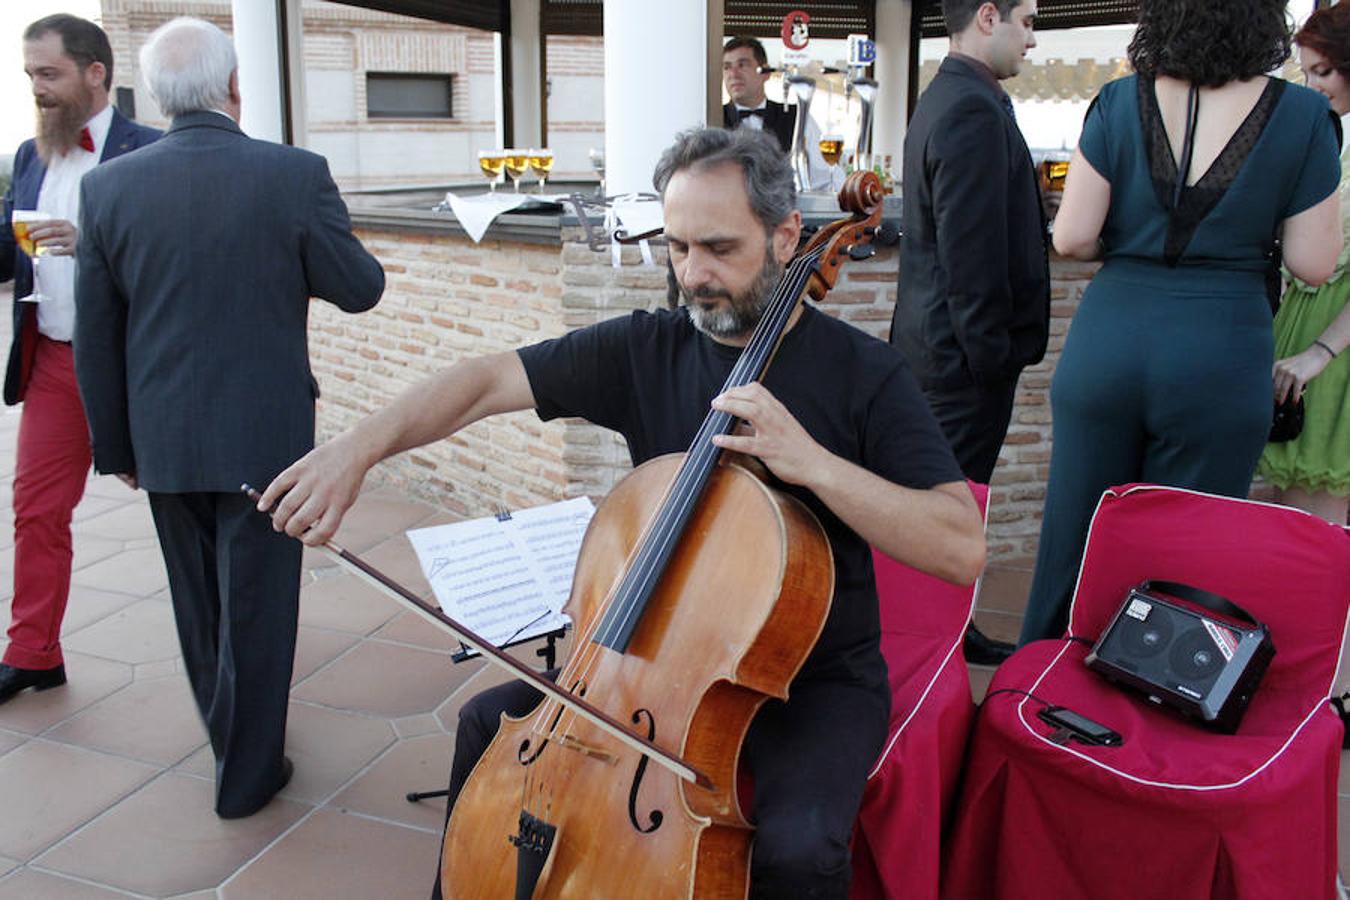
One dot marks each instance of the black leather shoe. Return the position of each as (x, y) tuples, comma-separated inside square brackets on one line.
[(982, 650), (14, 679), (287, 770)]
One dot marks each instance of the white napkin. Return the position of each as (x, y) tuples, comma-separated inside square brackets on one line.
[(638, 216), (476, 211)]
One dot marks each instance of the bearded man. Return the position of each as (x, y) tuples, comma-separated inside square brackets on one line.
[(838, 420), (69, 62)]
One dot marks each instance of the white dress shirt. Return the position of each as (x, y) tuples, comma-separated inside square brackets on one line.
[(60, 196), (818, 171)]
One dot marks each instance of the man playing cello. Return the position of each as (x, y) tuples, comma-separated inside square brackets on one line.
[(838, 421)]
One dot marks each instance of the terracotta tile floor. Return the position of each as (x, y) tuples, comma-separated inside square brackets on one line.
[(105, 784)]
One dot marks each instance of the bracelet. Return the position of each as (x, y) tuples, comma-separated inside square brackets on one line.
[(1323, 345)]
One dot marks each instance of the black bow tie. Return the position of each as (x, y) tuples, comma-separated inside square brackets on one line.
[(743, 114)]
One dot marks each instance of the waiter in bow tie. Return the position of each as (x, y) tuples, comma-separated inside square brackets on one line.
[(743, 75)]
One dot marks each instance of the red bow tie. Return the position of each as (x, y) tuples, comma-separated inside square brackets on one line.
[(86, 140)]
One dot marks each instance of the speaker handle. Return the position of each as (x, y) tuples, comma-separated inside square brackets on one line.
[(1210, 601)]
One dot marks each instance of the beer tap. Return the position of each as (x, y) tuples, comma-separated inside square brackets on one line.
[(803, 88), (866, 89)]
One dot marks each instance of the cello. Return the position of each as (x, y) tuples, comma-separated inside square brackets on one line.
[(560, 806)]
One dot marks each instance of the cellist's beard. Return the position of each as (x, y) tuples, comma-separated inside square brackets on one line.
[(739, 316)]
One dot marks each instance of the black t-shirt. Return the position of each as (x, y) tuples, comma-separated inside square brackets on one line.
[(652, 376)]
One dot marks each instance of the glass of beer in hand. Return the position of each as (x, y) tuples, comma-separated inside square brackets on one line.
[(491, 162), (517, 164), (542, 162), (22, 220)]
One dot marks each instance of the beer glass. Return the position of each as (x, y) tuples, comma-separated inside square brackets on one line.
[(542, 162), (1054, 170), (831, 149), (517, 164), (22, 220), (491, 162)]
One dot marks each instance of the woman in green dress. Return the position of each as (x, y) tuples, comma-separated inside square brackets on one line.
[(1312, 328)]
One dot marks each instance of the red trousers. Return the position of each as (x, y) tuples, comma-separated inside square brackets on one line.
[(50, 473)]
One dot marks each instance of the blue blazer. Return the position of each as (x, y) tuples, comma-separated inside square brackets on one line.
[(124, 136)]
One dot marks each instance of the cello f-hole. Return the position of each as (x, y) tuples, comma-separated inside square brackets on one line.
[(656, 817)]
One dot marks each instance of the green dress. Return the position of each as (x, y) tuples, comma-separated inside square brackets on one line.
[(1318, 460)]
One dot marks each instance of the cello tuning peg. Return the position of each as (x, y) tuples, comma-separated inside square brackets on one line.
[(859, 252)]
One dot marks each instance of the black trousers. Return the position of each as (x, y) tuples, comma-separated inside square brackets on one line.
[(975, 420), (809, 756), (236, 599)]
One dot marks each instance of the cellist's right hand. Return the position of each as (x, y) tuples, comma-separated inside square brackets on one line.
[(313, 494)]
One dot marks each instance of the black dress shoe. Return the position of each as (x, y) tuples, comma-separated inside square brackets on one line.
[(982, 650), (287, 770), (14, 679)]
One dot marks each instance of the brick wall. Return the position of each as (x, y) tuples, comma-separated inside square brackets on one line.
[(448, 298)]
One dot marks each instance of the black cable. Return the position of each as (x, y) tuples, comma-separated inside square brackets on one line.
[(1081, 640)]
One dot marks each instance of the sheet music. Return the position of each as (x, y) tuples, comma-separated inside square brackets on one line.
[(506, 579)]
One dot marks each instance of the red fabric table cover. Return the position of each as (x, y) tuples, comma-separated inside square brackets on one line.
[(1176, 811)]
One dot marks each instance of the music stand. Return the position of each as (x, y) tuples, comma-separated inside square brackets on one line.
[(548, 653)]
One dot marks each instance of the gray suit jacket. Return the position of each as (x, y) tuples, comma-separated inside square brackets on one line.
[(196, 263)]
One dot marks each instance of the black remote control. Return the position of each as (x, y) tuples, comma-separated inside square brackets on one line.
[(1080, 727)]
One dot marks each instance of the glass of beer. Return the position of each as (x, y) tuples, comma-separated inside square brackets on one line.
[(1054, 170), (491, 162), (831, 149), (541, 161), (517, 164), (22, 220)]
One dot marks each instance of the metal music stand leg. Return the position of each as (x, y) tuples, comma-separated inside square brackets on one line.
[(548, 653)]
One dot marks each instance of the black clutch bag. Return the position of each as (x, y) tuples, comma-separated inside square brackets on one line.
[(1287, 422)]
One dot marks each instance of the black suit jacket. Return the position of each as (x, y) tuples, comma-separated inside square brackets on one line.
[(124, 136), (974, 299), (778, 121), (197, 262)]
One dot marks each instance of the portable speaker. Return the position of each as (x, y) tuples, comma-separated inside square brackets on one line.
[(1203, 666)]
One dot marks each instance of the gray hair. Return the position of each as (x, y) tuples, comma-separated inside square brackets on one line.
[(768, 175), (187, 65)]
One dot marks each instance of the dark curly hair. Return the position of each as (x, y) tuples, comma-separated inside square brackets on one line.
[(1210, 42), (1328, 32)]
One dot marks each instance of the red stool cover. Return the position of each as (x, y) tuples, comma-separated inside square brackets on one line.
[(1176, 811), (905, 807)]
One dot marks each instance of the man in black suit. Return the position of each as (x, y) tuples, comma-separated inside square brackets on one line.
[(196, 269), (973, 305), (743, 62), (70, 64)]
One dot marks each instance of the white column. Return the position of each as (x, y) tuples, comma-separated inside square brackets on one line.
[(655, 84), (892, 75), (257, 36), (527, 100)]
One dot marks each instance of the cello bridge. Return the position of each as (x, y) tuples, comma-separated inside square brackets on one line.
[(571, 743)]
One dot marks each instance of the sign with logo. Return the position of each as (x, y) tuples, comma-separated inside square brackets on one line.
[(796, 29), (861, 51)]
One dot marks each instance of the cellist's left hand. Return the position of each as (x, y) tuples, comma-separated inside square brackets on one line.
[(773, 434)]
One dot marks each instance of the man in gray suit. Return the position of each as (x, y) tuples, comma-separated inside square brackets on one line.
[(196, 267)]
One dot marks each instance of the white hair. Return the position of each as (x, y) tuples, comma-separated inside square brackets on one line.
[(187, 65)]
